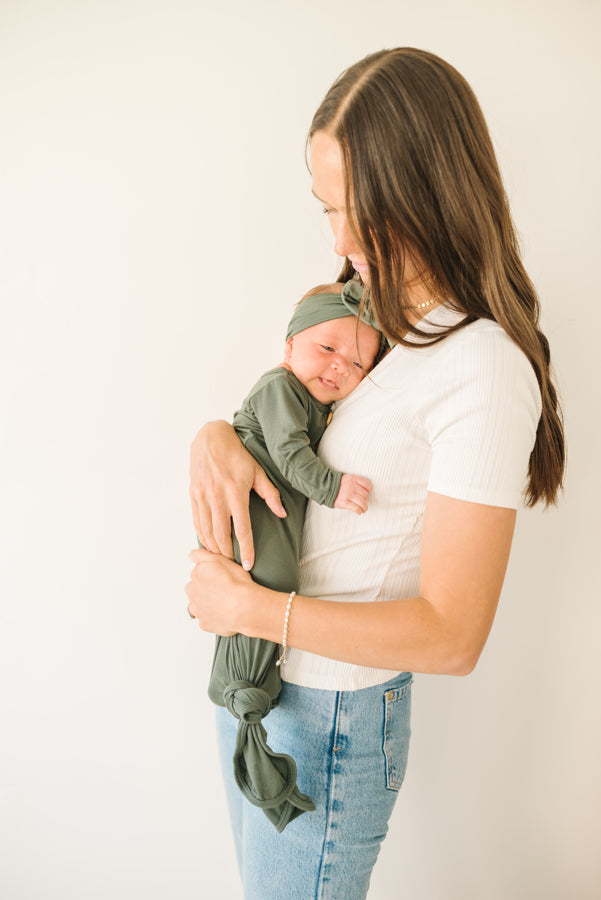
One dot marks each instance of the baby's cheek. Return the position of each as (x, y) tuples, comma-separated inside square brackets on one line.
[(356, 380)]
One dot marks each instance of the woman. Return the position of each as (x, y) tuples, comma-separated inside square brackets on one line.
[(453, 425)]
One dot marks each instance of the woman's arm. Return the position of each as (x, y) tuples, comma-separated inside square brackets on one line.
[(222, 475), (465, 549)]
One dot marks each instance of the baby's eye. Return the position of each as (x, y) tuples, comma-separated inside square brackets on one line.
[(359, 366), (329, 349)]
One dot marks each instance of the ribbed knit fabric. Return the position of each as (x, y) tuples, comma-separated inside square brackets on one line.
[(458, 418)]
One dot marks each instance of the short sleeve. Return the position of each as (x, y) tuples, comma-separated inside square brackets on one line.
[(483, 426)]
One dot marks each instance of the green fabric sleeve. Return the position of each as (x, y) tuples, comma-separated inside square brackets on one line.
[(283, 412)]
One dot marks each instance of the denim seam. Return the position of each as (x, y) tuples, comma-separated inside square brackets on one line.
[(390, 699), (324, 863)]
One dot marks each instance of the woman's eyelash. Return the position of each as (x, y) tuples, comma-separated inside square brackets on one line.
[(326, 210)]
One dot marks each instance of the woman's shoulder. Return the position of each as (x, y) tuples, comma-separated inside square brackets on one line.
[(481, 365), (484, 345), (479, 355), (483, 339), (481, 415)]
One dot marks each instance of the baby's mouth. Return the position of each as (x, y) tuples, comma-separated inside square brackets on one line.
[(330, 385)]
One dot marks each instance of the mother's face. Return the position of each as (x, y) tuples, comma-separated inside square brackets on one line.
[(329, 187)]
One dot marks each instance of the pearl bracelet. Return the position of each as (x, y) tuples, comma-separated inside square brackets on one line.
[(282, 658)]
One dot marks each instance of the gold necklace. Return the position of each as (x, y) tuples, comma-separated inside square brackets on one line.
[(423, 305)]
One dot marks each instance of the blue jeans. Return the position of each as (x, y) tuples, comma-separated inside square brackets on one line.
[(351, 750)]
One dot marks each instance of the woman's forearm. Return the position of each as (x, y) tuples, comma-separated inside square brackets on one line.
[(464, 553), (401, 635)]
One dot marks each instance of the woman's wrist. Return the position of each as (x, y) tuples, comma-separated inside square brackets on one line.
[(262, 612)]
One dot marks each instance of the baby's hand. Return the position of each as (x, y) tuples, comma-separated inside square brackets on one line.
[(353, 494)]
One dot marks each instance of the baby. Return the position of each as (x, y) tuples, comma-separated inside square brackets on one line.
[(328, 353)]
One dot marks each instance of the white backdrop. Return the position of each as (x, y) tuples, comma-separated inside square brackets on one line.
[(156, 227)]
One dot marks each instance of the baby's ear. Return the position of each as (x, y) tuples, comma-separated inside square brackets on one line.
[(288, 349)]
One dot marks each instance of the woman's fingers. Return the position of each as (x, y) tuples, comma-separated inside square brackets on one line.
[(241, 516), (205, 528), (222, 527), (200, 556), (214, 526), (222, 474), (270, 494), (212, 592), (199, 519), (214, 517), (195, 514), (244, 535)]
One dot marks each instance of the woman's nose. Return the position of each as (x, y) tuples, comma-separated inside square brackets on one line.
[(344, 242)]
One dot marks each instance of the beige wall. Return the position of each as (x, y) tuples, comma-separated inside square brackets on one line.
[(156, 226)]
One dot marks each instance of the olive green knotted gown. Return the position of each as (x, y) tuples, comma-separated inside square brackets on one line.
[(280, 424)]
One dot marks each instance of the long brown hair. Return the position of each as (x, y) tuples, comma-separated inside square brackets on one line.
[(423, 183)]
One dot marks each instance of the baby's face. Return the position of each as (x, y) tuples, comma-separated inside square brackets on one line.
[(330, 359)]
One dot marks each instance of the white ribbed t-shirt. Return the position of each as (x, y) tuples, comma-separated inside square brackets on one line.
[(458, 418)]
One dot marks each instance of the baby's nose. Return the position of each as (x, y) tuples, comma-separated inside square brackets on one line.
[(341, 365)]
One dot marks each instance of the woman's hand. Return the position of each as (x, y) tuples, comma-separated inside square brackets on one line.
[(214, 592), (222, 474)]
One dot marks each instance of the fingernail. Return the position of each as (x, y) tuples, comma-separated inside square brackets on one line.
[(246, 565)]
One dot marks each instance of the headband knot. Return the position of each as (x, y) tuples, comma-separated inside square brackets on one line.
[(328, 305), (314, 310)]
